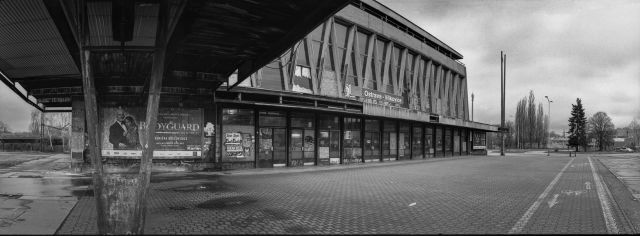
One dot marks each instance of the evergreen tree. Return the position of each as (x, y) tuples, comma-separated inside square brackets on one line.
[(577, 126)]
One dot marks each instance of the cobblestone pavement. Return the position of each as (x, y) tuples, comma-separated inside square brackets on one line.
[(479, 195)]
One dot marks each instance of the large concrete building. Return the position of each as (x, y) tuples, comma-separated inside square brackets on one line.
[(366, 85)]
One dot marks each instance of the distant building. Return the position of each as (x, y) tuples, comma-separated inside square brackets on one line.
[(559, 142), (27, 142), (619, 142)]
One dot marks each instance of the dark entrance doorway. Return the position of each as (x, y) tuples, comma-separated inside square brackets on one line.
[(272, 138)]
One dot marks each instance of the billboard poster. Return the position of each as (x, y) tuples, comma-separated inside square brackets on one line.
[(178, 132)]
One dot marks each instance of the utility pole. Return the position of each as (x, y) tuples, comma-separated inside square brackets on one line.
[(548, 125), (503, 63)]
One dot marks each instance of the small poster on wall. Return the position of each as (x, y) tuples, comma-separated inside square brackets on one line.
[(209, 130), (233, 145), (238, 145), (323, 152)]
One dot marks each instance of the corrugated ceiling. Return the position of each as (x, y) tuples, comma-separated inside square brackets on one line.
[(144, 28), (34, 47)]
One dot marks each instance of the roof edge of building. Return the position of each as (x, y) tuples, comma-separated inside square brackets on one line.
[(394, 15)]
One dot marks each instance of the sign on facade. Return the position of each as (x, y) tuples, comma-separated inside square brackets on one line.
[(380, 98)]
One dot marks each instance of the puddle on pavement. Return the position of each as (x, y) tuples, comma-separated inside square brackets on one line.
[(11, 196), (229, 202), (29, 176), (82, 193)]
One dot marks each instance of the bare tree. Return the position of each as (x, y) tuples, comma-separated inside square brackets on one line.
[(531, 118), (4, 128), (539, 125), (521, 123), (509, 140), (34, 126), (602, 129), (56, 125)]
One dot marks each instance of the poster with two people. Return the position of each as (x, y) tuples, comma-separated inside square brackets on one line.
[(178, 132)]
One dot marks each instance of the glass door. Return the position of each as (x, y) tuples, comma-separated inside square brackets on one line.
[(328, 140), (272, 147), (279, 147), (296, 151), (265, 151), (302, 140), (372, 141), (271, 139), (389, 141)]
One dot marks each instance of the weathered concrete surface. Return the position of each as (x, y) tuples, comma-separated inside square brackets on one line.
[(626, 167), (36, 195), (33, 214)]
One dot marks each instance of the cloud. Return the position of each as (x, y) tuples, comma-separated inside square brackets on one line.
[(15, 112), (562, 49)]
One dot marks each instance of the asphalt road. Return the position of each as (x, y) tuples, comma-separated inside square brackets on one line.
[(476, 195)]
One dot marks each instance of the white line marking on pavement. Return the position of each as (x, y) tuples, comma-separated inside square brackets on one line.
[(612, 228), (587, 185), (527, 215), (572, 192), (553, 201)]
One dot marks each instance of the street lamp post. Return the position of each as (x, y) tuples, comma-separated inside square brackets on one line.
[(548, 125), (471, 106)]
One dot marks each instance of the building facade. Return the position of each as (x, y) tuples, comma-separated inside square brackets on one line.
[(365, 86)]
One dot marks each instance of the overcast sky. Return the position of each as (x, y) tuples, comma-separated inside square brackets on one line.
[(561, 49)]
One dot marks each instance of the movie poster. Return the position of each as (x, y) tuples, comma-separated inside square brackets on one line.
[(178, 132)]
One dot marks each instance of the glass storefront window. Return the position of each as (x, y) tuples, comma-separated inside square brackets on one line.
[(389, 140), (448, 145), (439, 145), (302, 140), (238, 141), (271, 139), (372, 140), (479, 140), (352, 141), (456, 142), (428, 141), (416, 142), (328, 140), (464, 141), (404, 141)]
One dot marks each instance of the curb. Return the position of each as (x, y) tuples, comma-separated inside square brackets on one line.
[(284, 170)]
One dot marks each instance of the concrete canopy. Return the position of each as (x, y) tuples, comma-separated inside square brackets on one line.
[(208, 40)]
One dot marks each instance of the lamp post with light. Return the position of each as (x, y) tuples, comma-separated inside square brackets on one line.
[(471, 106), (548, 125)]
